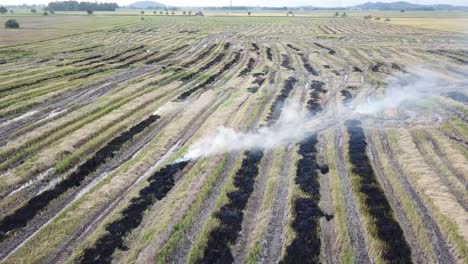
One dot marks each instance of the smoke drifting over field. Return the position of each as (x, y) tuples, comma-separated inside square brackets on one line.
[(289, 128), (409, 89), (294, 124)]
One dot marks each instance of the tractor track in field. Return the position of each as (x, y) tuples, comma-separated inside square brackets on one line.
[(274, 237), (329, 253), (443, 158), (76, 99), (355, 228), (442, 249), (459, 196)]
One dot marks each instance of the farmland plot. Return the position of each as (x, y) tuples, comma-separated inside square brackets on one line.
[(173, 140)]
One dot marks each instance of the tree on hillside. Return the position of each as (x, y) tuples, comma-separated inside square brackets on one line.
[(3, 10), (34, 11), (11, 23), (167, 12), (344, 14), (377, 18), (189, 13), (154, 12), (249, 13), (337, 14), (52, 11), (387, 20), (142, 12), (172, 13), (160, 12), (184, 13), (11, 11), (45, 13), (90, 12)]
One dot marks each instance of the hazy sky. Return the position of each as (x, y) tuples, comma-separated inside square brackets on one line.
[(323, 3)]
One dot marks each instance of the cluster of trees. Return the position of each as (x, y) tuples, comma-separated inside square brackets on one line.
[(377, 18), (337, 14), (11, 23), (81, 6)]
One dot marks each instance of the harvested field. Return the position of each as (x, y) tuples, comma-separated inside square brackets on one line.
[(230, 139)]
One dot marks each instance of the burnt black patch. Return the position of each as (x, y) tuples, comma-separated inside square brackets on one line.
[(211, 79), (165, 56), (81, 60), (277, 105), (398, 68), (269, 54), (330, 51), (255, 47), (253, 89), (376, 204), (347, 96), (458, 97), (286, 63), (231, 214), (205, 67), (314, 103), (249, 67), (83, 49), (115, 56), (201, 56), (356, 69), (23, 215), (448, 54), (139, 60), (292, 47), (305, 248), (377, 67), (309, 67), (160, 183)]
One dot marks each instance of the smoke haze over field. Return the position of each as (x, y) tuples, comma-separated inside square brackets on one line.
[(294, 124)]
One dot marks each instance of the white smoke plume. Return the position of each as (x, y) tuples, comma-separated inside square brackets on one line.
[(407, 89), (289, 128), (294, 124)]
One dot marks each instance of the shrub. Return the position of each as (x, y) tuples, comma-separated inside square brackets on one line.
[(142, 12), (11, 23), (377, 18), (90, 12), (11, 11), (387, 20), (142, 18), (34, 11), (45, 13), (3, 10)]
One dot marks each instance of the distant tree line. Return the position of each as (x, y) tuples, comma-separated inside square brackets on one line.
[(81, 6)]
